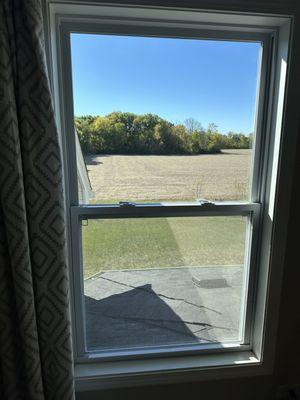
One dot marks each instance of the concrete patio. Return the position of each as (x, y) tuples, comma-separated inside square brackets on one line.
[(152, 307)]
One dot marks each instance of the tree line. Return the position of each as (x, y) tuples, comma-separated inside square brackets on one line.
[(129, 133)]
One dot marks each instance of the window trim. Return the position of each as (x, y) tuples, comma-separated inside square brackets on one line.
[(261, 356)]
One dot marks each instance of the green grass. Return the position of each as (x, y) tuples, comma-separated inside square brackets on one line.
[(162, 242)]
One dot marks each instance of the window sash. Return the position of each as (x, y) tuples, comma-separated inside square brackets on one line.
[(172, 30), (174, 209), (81, 213)]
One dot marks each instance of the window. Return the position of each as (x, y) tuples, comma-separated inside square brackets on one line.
[(169, 139), (170, 271)]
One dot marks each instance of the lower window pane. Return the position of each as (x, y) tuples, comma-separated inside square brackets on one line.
[(163, 281)]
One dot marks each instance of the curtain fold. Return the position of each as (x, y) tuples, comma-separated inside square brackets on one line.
[(35, 332)]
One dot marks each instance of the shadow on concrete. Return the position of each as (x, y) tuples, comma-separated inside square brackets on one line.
[(137, 317)]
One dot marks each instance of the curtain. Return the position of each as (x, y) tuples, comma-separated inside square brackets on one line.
[(35, 332)]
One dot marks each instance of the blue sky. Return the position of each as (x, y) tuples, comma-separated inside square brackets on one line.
[(211, 81)]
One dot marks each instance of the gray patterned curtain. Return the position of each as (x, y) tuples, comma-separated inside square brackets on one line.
[(35, 336)]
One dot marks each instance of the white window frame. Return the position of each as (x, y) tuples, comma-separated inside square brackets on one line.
[(93, 370)]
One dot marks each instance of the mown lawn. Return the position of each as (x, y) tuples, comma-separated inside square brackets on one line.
[(162, 243)]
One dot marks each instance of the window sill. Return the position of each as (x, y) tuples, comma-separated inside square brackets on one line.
[(113, 374)]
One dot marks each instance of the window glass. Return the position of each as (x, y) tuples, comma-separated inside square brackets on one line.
[(163, 281), (163, 119)]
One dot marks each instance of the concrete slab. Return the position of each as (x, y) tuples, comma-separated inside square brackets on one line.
[(154, 307)]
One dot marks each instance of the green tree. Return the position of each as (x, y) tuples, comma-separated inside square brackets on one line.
[(83, 129), (128, 133), (108, 136)]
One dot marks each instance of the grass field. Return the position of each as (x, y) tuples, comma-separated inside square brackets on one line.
[(166, 242), (162, 243), (142, 178)]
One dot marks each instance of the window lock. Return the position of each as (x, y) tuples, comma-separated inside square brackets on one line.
[(204, 202), (126, 204)]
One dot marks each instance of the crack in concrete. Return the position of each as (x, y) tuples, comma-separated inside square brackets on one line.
[(160, 294)]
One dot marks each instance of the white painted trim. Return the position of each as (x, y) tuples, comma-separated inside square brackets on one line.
[(166, 370), (211, 16)]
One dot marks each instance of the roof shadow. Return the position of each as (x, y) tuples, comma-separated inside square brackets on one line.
[(134, 318)]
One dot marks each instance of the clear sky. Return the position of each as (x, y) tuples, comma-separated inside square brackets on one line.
[(211, 81)]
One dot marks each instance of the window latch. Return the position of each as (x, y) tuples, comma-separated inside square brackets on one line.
[(204, 202), (126, 204)]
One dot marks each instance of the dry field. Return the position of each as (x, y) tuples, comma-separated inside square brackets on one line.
[(135, 178)]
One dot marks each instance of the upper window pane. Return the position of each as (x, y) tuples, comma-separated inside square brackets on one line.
[(164, 119)]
